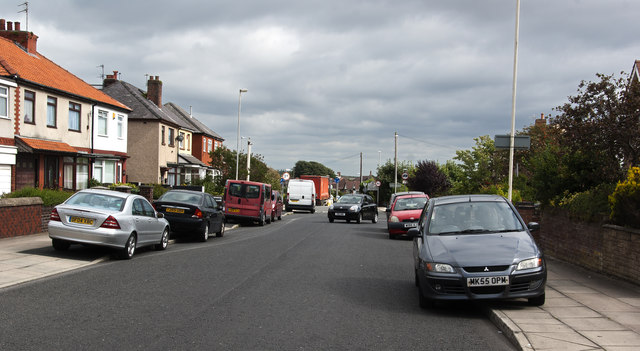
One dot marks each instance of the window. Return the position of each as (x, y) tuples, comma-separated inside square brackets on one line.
[(103, 118), (74, 116), (181, 141), (209, 144), (104, 171), (171, 137), (120, 126), (29, 107), (188, 142), (4, 102), (162, 136), (82, 173), (204, 144), (52, 106)]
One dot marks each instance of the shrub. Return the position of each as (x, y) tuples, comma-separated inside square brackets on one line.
[(49, 197), (159, 190), (134, 187), (502, 190), (589, 206), (625, 200)]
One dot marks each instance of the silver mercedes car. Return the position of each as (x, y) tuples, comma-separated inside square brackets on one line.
[(108, 218), (473, 247)]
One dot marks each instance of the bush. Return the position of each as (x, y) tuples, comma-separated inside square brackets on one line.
[(134, 188), (159, 190), (589, 206), (625, 200), (49, 197), (502, 190)]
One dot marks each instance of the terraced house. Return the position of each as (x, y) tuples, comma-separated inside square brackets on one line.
[(56, 131)]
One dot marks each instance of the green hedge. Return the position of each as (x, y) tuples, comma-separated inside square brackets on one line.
[(590, 206), (49, 197)]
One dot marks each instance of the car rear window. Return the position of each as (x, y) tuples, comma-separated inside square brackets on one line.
[(248, 191), (178, 196), (97, 201)]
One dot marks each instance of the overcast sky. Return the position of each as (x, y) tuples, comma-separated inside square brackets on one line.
[(329, 79)]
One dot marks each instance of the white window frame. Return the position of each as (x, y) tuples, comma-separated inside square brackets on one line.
[(4, 112), (103, 117), (120, 126)]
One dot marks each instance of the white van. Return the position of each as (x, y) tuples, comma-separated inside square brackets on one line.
[(301, 195)]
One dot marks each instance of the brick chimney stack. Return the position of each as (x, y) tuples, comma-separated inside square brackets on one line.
[(541, 122), (111, 78), (27, 40), (154, 90)]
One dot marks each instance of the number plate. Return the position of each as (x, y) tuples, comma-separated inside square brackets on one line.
[(411, 225), (488, 281), (340, 214), (175, 210), (81, 220), (234, 210), (293, 200)]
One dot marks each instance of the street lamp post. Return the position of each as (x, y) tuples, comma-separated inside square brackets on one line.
[(238, 137)]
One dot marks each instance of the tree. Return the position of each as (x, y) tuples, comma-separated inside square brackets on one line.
[(225, 161), (311, 168), (428, 178), (386, 177), (481, 166)]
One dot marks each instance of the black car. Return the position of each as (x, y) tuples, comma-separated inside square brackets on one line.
[(354, 207), (473, 247), (192, 213)]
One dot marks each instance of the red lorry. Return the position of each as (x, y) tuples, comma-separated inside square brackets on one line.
[(322, 188)]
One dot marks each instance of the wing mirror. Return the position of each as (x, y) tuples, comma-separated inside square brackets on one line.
[(533, 226), (160, 214), (414, 233)]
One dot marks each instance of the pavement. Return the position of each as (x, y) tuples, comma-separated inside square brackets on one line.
[(583, 310)]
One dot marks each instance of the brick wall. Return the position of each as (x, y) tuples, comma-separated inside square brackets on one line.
[(20, 216), (606, 249)]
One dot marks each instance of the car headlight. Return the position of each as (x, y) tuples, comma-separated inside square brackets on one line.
[(530, 263), (439, 267), (353, 208), (394, 219)]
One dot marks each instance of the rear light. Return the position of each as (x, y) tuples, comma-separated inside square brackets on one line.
[(197, 214), (54, 216), (110, 223)]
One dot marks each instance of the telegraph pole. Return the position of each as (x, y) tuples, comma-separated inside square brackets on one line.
[(395, 168)]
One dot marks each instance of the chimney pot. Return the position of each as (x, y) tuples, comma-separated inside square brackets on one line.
[(9, 26), (3, 24), (17, 26), (154, 90)]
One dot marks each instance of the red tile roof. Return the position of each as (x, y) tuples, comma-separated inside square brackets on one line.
[(39, 144), (40, 70)]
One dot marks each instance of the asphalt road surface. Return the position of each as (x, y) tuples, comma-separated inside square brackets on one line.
[(301, 283)]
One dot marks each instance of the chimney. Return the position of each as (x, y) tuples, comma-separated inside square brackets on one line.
[(154, 90), (111, 78), (541, 122), (27, 40)]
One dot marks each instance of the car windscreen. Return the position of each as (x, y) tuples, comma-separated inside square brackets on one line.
[(350, 199), (473, 218), (178, 196), (410, 203), (96, 201), (248, 191)]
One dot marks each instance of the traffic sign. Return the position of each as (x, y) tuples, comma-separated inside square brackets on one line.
[(378, 183), (337, 180), (285, 176), (405, 176)]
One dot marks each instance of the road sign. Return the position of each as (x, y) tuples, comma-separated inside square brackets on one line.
[(337, 180), (285, 176), (520, 142), (378, 183), (405, 176)]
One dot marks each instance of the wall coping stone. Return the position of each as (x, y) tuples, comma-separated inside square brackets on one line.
[(620, 228), (21, 201)]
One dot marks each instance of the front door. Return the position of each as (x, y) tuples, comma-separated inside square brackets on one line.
[(51, 172)]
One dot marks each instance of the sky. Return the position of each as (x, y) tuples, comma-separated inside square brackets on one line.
[(327, 80)]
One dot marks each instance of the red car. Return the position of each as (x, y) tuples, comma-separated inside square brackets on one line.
[(405, 213), (276, 205)]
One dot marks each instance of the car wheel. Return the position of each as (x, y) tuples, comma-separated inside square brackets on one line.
[(205, 233), (268, 219), (415, 277), (537, 301), (262, 220), (220, 234), (164, 240), (391, 236), (359, 219), (129, 248), (375, 218), (423, 301), (60, 245), (330, 220), (280, 216), (313, 210)]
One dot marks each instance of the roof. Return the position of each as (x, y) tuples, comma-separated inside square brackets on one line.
[(188, 159), (467, 198), (635, 71), (192, 121), (15, 63), (141, 107), (30, 145)]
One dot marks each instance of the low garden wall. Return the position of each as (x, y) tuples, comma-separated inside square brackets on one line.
[(22, 216), (603, 248)]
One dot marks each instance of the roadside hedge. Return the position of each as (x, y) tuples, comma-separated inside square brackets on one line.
[(49, 197)]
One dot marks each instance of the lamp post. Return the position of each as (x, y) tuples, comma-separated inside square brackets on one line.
[(238, 137)]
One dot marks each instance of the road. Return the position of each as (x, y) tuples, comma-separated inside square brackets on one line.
[(296, 284)]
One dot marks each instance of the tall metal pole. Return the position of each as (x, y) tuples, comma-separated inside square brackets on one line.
[(360, 168), (513, 100), (238, 137), (249, 159), (395, 168)]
